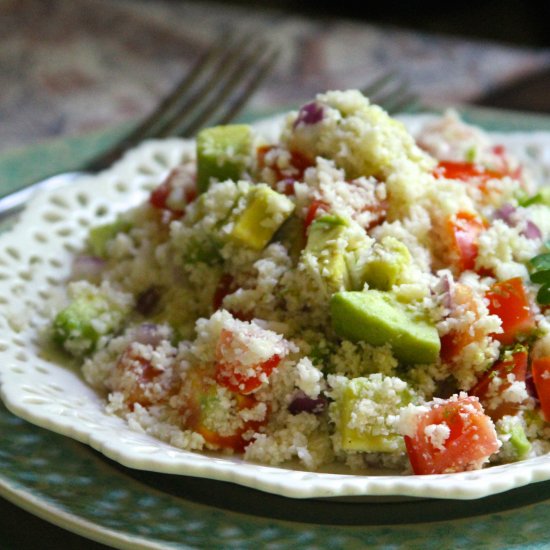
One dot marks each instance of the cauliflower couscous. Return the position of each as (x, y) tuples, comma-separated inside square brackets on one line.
[(344, 293)]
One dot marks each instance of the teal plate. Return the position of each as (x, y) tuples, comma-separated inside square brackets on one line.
[(74, 487)]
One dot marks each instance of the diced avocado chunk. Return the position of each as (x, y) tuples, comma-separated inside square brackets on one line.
[(264, 213), (331, 220), (376, 317), (368, 411), (516, 446), (384, 265), (99, 236), (326, 251), (291, 235), (92, 313), (519, 441), (223, 152)]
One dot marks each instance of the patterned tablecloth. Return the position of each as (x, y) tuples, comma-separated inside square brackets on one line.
[(69, 67)]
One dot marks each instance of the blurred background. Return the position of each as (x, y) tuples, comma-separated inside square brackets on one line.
[(510, 21), (71, 67)]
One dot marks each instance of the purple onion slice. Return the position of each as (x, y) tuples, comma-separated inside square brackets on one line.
[(531, 231), (149, 334), (304, 403), (506, 213), (148, 301), (309, 114), (87, 267)]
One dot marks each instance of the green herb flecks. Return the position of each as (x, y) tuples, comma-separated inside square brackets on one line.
[(540, 274)]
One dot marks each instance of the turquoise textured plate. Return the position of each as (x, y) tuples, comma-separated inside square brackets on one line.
[(71, 485), (75, 488)]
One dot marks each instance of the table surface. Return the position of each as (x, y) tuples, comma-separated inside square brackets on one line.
[(90, 65)]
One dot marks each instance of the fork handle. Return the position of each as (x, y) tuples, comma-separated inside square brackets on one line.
[(13, 203)]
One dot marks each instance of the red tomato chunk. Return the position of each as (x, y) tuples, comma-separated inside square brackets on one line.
[(495, 382), (454, 435), (142, 383), (465, 171), (541, 377), (464, 229), (199, 391), (509, 301), (235, 376)]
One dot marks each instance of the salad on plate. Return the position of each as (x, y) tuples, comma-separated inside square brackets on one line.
[(341, 291)]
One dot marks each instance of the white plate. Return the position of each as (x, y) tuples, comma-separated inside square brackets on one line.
[(34, 262)]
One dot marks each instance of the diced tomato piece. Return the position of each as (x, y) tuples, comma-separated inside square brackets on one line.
[(229, 376), (477, 174), (261, 153), (540, 367), (236, 377), (465, 171), (134, 376), (288, 188), (159, 199), (455, 341), (313, 209), (490, 392), (509, 301), (379, 212), (451, 345), (464, 229), (226, 286), (452, 436), (500, 151), (234, 442), (161, 196), (200, 391), (299, 163)]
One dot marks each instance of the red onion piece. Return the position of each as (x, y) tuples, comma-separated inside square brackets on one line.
[(506, 214), (87, 267), (530, 385), (310, 113), (531, 231), (301, 402), (149, 334), (447, 282), (148, 301)]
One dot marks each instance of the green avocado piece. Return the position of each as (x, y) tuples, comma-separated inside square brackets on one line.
[(99, 236), (376, 317), (519, 441), (223, 152), (324, 246), (374, 435), (291, 235), (264, 213), (90, 315), (384, 266)]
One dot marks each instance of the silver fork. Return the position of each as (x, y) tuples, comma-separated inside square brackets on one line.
[(391, 92), (213, 92)]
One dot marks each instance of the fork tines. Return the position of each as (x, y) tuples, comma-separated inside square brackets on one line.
[(390, 91), (213, 92), (216, 87)]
